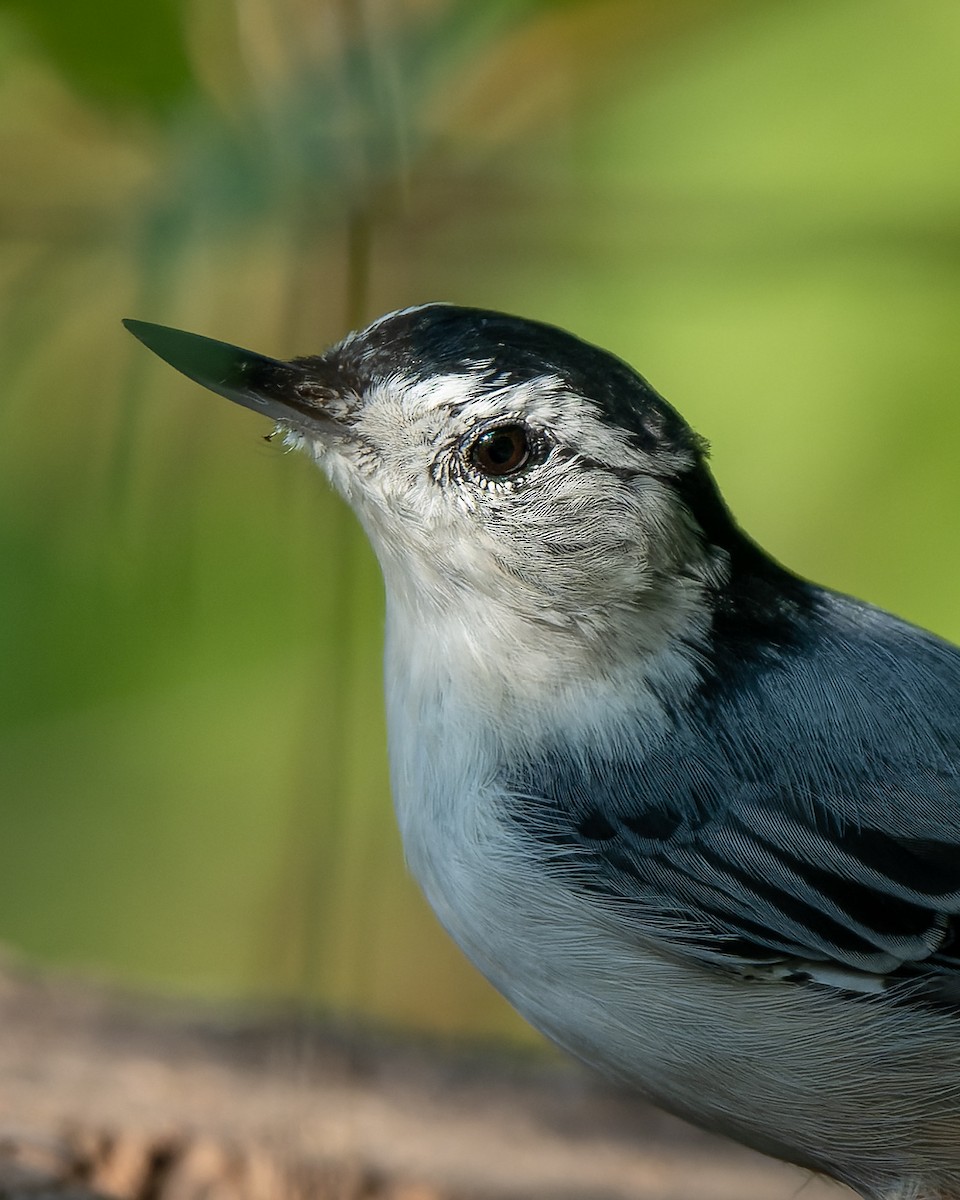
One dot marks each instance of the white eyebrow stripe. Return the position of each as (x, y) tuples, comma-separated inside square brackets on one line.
[(464, 398)]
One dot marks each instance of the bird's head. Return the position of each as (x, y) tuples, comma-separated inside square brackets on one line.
[(515, 481)]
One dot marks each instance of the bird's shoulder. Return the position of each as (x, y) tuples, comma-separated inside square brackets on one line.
[(799, 812)]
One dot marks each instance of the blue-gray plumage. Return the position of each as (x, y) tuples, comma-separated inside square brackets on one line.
[(697, 818), (808, 806)]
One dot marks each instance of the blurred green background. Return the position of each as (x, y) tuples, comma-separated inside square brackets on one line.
[(758, 204)]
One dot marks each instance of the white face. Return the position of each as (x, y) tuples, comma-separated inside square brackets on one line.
[(513, 511), (543, 518)]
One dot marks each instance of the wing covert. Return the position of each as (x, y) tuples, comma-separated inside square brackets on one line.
[(808, 811)]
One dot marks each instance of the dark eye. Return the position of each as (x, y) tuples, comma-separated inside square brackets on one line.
[(502, 451)]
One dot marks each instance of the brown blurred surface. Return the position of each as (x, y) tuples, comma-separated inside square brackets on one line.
[(110, 1096)]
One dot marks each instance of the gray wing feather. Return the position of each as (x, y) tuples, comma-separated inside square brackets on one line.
[(809, 810)]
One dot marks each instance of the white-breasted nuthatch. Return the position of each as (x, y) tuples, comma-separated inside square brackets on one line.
[(698, 819)]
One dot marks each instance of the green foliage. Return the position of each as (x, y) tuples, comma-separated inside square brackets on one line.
[(112, 50)]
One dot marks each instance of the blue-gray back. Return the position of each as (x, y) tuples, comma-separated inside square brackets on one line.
[(804, 805)]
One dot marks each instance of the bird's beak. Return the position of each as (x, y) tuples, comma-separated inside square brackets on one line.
[(282, 391)]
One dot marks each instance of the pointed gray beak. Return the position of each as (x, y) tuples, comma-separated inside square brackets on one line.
[(278, 390)]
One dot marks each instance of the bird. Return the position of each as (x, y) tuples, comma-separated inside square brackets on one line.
[(696, 817)]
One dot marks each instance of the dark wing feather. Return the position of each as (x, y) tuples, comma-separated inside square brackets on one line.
[(804, 808)]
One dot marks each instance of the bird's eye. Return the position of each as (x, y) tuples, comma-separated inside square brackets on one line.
[(502, 451)]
